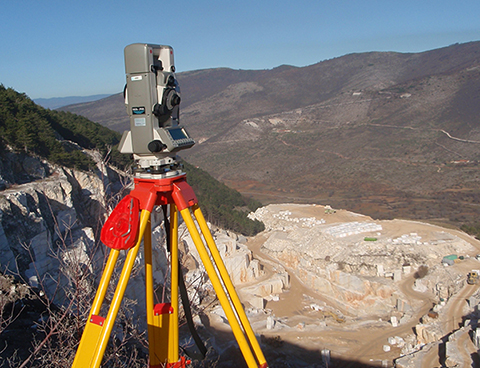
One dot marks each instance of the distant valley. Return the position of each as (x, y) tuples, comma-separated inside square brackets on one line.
[(56, 102), (385, 134)]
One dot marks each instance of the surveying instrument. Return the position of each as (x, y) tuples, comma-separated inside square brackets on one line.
[(152, 98)]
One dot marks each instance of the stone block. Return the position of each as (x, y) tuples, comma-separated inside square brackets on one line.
[(265, 289), (426, 334), (237, 266), (256, 301), (419, 286), (255, 267), (277, 286), (472, 301), (402, 305), (380, 271), (270, 323), (285, 277), (397, 275), (394, 321)]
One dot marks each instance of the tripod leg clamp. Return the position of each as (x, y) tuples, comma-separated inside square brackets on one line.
[(120, 231), (183, 195)]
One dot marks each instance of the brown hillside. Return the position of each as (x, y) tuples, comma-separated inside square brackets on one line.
[(387, 134)]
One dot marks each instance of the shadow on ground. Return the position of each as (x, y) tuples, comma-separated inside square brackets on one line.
[(278, 353)]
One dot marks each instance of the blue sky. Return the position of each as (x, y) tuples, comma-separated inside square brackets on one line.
[(75, 48)]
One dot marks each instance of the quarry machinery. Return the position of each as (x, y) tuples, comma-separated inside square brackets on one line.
[(152, 98), (473, 277)]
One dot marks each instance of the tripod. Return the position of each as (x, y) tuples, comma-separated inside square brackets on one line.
[(125, 230)]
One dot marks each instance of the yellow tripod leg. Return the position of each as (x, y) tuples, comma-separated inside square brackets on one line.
[(217, 285), (99, 338), (163, 328), (229, 285), (93, 328), (157, 352), (173, 336)]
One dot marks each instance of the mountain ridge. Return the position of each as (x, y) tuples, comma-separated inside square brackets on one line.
[(198, 85), (364, 131), (56, 102)]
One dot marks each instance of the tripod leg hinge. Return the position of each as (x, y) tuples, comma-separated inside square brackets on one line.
[(183, 195)]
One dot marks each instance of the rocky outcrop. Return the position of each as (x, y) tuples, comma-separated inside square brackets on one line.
[(21, 168), (50, 217), (236, 256), (312, 250), (427, 333)]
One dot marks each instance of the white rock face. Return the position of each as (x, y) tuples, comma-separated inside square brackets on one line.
[(47, 227), (237, 258)]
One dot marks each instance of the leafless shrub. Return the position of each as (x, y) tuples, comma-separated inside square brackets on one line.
[(7, 302), (61, 326)]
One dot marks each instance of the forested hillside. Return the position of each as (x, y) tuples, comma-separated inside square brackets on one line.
[(59, 137), (27, 127), (221, 205)]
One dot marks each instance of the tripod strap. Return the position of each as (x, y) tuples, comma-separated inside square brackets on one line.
[(188, 313), (183, 292)]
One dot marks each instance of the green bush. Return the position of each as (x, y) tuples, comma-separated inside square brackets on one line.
[(472, 229)]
